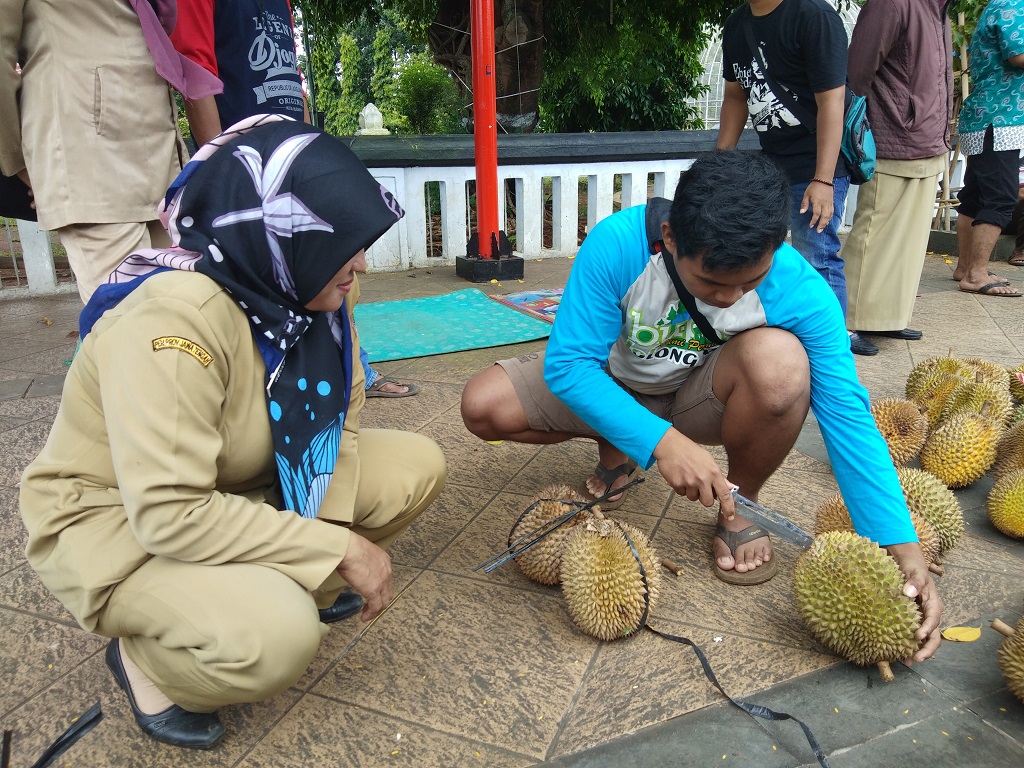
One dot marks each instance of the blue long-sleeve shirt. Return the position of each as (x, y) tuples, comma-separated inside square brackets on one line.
[(620, 315)]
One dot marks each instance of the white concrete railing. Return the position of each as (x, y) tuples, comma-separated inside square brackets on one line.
[(413, 242)]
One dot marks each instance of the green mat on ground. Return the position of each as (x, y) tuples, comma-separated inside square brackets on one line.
[(468, 319)]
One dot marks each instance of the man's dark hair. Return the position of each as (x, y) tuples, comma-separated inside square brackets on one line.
[(731, 208)]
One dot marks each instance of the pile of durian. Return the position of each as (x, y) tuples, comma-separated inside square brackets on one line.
[(961, 418), (609, 572), (1011, 656)]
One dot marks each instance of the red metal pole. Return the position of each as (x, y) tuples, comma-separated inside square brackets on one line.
[(485, 124)]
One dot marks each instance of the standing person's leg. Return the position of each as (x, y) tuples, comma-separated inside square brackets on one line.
[(886, 248), (1017, 228), (986, 206), (94, 250), (821, 249)]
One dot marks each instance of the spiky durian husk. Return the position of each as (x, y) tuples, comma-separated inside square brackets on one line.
[(542, 562), (850, 594), (1017, 416), (990, 372), (602, 581), (1010, 452), (926, 369), (961, 449), (934, 394), (1006, 504), (832, 515), (903, 426), (1017, 381), (928, 497), (1011, 660), (972, 396)]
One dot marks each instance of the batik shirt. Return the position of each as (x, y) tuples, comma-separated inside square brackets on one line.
[(620, 315), (997, 88)]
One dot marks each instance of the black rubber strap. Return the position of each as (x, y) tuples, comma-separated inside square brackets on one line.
[(690, 303), (85, 723), (751, 709)]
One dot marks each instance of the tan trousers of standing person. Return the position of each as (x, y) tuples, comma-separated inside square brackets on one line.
[(94, 250), (211, 635), (885, 250)]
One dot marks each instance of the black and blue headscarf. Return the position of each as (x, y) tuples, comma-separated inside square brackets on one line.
[(272, 209)]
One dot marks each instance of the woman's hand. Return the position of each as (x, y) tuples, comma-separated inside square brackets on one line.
[(367, 569)]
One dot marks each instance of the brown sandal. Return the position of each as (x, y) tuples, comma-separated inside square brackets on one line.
[(734, 539), (375, 389), (609, 476)]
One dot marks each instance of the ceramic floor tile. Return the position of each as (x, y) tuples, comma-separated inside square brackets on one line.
[(439, 524), (646, 679), (22, 590), (43, 408), (25, 442), (12, 389), (481, 464), (459, 367), (322, 732), (482, 661), (36, 653), (13, 536), (342, 634), (763, 612), (117, 741), (968, 593), (409, 413)]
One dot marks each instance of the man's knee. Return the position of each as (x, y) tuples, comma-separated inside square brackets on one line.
[(484, 400), (776, 372)]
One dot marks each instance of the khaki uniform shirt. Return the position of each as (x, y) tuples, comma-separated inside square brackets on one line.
[(162, 447)]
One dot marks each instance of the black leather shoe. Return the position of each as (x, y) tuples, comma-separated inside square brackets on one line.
[(907, 334), (175, 726), (861, 346), (347, 604)]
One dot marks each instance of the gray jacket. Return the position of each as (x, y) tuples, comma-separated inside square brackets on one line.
[(900, 59)]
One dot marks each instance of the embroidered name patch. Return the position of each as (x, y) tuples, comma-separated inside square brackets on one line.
[(176, 342)]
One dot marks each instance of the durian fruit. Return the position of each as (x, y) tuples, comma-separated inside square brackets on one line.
[(850, 594), (610, 586), (926, 369), (1006, 504), (1017, 416), (1011, 656), (1010, 451), (542, 562), (989, 371), (962, 448), (833, 515), (971, 396), (903, 426), (1017, 381), (934, 394), (927, 496)]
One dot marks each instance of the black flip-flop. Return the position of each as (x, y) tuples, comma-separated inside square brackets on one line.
[(988, 290)]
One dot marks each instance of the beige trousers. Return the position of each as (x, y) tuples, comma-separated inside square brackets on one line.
[(95, 249), (885, 250), (211, 635)]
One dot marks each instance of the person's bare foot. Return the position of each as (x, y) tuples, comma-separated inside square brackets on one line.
[(960, 274), (749, 555), (604, 479)]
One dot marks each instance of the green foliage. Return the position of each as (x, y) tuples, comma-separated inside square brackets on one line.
[(971, 9), (633, 71), (424, 99)]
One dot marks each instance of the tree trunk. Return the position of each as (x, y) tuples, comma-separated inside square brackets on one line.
[(519, 55)]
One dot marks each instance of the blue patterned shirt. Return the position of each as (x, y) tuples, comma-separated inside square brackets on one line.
[(997, 88)]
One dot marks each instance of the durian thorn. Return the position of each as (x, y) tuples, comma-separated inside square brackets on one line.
[(979, 377), (938, 570), (985, 408), (674, 567), (886, 670), (950, 352), (1001, 628)]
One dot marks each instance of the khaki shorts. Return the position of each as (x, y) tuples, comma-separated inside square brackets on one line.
[(692, 409)]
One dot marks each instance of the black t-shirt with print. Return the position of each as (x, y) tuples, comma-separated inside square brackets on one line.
[(803, 44), (256, 60)]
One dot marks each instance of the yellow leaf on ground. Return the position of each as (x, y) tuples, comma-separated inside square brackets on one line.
[(961, 634)]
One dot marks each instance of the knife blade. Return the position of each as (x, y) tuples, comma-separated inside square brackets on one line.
[(772, 522)]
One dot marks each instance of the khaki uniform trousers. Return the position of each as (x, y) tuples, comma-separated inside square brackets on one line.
[(211, 635), (885, 250), (94, 250)]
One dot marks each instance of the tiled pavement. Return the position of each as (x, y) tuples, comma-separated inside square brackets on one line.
[(473, 669)]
